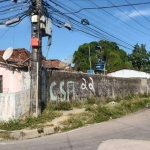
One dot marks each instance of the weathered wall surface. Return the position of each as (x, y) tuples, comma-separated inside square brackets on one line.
[(7, 106), (70, 86), (14, 105), (14, 81)]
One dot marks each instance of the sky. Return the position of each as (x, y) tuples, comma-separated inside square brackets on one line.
[(131, 27)]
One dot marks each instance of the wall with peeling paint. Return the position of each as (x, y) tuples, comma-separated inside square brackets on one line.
[(14, 105), (14, 81), (71, 86)]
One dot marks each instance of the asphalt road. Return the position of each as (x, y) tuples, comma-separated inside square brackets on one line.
[(134, 126)]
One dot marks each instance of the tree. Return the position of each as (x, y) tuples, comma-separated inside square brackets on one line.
[(140, 58), (114, 57)]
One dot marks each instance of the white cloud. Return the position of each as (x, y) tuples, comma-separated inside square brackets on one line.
[(133, 14), (2, 26)]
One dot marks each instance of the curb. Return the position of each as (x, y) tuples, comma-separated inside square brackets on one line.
[(29, 134)]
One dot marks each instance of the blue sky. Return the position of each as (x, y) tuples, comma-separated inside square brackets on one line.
[(65, 42)]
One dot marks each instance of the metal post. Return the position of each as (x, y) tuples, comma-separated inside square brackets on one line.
[(36, 61), (90, 57)]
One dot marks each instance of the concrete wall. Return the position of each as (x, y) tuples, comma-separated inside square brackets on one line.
[(128, 73), (70, 86), (14, 105), (14, 81)]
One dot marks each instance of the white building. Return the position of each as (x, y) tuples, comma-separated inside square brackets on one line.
[(129, 73)]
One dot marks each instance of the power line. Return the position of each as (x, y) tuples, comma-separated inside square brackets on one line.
[(138, 11), (129, 16), (121, 29), (69, 18), (107, 7), (4, 33)]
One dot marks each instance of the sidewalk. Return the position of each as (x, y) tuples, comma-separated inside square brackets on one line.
[(47, 130)]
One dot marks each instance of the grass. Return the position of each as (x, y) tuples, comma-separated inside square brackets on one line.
[(100, 113), (47, 115), (5, 135), (96, 111)]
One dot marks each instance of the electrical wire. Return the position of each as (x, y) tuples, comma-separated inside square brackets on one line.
[(138, 11), (4, 33), (129, 16), (118, 28), (93, 26), (107, 7)]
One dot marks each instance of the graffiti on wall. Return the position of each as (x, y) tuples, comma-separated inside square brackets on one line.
[(90, 85), (80, 86), (65, 94), (66, 90)]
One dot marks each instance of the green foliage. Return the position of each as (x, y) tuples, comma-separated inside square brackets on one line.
[(48, 114), (22, 134), (40, 130), (140, 58), (104, 112), (77, 120), (110, 53), (6, 135), (57, 129), (90, 100), (63, 105)]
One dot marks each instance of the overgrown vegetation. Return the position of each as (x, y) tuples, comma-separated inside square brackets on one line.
[(100, 113), (47, 115), (5, 135), (97, 110)]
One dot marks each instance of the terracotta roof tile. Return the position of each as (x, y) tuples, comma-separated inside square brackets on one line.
[(20, 55), (51, 63)]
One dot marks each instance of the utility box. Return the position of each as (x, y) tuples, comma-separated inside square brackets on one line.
[(34, 42), (46, 26), (34, 19)]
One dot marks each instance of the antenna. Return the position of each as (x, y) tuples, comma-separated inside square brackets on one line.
[(66, 61), (7, 53)]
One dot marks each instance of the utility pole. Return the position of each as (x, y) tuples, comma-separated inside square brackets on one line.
[(90, 57), (36, 59)]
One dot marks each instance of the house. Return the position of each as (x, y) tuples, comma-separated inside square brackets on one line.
[(14, 72), (129, 73), (15, 82)]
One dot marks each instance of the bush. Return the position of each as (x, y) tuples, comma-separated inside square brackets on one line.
[(63, 105), (48, 114), (5, 135), (102, 113), (90, 100)]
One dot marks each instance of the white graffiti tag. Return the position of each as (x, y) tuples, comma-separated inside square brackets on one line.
[(90, 85), (83, 85)]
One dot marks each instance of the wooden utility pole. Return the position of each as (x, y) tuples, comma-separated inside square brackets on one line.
[(36, 59)]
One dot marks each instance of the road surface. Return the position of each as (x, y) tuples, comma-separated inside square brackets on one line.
[(134, 126)]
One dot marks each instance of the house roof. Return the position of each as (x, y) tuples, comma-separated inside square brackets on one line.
[(126, 69), (19, 53), (54, 63), (20, 57)]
